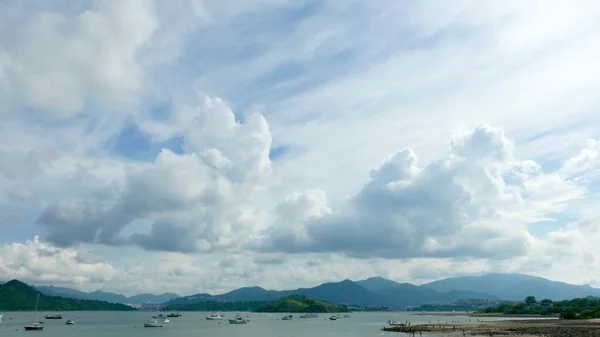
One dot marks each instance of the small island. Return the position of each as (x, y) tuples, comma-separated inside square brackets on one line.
[(300, 303), (18, 296)]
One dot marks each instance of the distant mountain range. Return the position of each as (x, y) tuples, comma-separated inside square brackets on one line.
[(374, 292), (515, 287), (106, 296)]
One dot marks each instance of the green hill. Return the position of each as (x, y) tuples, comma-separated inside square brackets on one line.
[(300, 303), (16, 296)]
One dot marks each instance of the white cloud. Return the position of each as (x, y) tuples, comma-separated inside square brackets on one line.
[(459, 205), (56, 64), (587, 162), (197, 201), (37, 261)]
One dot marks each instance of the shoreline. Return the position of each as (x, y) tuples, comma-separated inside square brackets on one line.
[(547, 328), (451, 314)]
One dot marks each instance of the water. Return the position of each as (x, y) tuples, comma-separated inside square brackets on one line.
[(131, 324)]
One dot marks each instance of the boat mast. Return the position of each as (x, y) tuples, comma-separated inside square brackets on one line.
[(36, 305)]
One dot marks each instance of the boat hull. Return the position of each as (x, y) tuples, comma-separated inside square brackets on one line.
[(235, 321), (152, 325), (34, 328), (214, 318)]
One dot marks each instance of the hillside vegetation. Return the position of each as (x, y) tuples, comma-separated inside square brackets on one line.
[(18, 296), (579, 308), (299, 303)]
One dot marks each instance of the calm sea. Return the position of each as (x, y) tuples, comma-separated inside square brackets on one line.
[(130, 324)]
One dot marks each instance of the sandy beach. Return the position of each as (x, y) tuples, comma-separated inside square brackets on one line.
[(550, 328)]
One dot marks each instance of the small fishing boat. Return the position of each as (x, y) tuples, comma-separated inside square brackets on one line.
[(159, 316), (58, 316), (174, 315), (238, 320), (35, 326), (215, 316), (311, 315), (347, 316), (152, 324), (333, 318), (287, 318), (70, 322)]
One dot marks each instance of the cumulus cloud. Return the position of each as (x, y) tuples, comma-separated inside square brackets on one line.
[(37, 261), (586, 164), (195, 201), (461, 205), (57, 63)]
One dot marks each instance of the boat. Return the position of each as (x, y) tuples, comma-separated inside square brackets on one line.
[(238, 320), (53, 316), (35, 326), (159, 316), (311, 315), (174, 315), (287, 318), (166, 320), (1, 318), (347, 316), (152, 324), (70, 322), (333, 318), (215, 316)]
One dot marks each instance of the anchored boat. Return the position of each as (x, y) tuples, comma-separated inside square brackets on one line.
[(35, 326), (238, 320)]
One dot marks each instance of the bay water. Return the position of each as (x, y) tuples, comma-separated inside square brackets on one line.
[(131, 324)]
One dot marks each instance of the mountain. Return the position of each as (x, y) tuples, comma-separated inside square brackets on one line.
[(344, 292), (60, 291), (99, 295), (105, 296), (151, 298), (16, 295), (300, 303), (401, 295), (373, 292), (515, 287)]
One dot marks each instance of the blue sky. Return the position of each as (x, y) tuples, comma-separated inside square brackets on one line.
[(207, 136)]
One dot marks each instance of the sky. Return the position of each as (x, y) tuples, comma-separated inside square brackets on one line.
[(201, 146)]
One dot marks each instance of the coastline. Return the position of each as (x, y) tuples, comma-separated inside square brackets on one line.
[(548, 328), (451, 314)]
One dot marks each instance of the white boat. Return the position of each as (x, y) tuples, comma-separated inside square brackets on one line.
[(159, 316), (166, 320), (70, 322), (333, 318), (238, 320), (1, 318), (311, 315), (287, 318), (35, 326), (215, 316), (347, 316), (152, 324)]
